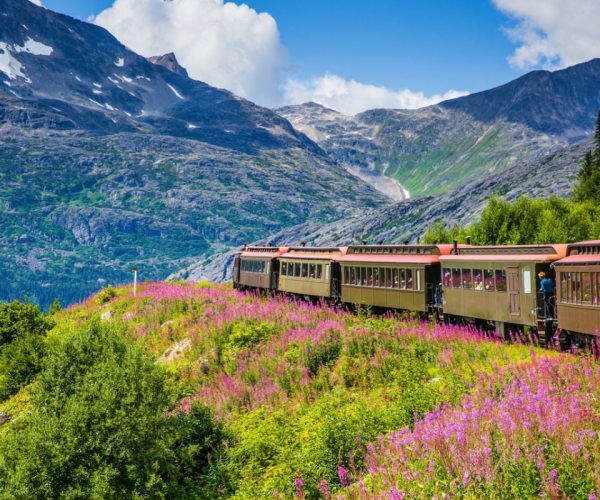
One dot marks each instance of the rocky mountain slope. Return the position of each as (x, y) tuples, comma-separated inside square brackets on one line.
[(435, 149), (109, 160), (408, 220)]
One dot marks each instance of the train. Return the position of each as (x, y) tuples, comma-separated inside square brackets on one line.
[(496, 288)]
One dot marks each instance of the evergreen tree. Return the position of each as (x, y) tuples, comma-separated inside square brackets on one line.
[(587, 187)]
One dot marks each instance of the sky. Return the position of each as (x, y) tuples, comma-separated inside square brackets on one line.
[(353, 55)]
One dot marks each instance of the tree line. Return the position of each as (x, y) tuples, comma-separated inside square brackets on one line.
[(533, 220)]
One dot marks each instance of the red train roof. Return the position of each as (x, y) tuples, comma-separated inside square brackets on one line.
[(579, 259), (315, 253), (263, 252), (510, 253), (390, 259)]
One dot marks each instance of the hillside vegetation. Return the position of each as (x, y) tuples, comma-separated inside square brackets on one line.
[(194, 390), (530, 220)]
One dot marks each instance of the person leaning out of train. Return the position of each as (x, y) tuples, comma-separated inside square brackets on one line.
[(547, 288)]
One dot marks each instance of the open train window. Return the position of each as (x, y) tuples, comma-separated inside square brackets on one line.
[(395, 282), (456, 279), (488, 280), (319, 271), (477, 279), (352, 276), (297, 270), (388, 278), (586, 288), (311, 271), (346, 276), (304, 270), (409, 279), (283, 268), (402, 276), (369, 276), (447, 278), (467, 278), (564, 287), (501, 280), (596, 299), (376, 277)]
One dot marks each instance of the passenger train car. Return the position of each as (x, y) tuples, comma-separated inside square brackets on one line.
[(494, 287)]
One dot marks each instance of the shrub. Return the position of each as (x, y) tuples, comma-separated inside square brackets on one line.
[(106, 295), (101, 428), (21, 318)]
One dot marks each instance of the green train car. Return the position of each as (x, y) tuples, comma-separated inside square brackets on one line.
[(497, 284), (404, 277), (311, 272)]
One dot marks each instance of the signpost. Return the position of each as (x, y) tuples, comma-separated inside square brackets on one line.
[(134, 269)]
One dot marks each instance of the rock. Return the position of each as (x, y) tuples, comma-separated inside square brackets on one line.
[(176, 350), (4, 418), (106, 316)]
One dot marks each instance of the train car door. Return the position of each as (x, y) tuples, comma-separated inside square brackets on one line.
[(514, 291)]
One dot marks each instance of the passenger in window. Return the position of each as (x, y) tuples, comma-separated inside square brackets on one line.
[(447, 278), (547, 288), (477, 279)]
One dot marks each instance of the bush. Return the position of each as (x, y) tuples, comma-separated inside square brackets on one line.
[(20, 361), (22, 318), (101, 427), (106, 295)]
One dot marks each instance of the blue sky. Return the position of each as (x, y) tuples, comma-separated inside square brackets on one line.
[(426, 46)]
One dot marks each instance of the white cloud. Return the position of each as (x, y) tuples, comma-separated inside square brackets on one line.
[(351, 97), (223, 44), (234, 47), (553, 33)]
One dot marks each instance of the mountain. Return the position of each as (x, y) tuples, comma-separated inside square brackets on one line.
[(408, 220), (109, 160), (435, 149)]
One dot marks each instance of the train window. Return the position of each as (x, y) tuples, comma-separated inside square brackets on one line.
[(319, 271), (369, 276), (327, 271), (418, 275), (352, 280), (297, 270), (564, 287), (586, 288), (596, 299), (263, 267), (409, 279), (388, 278), (395, 282), (304, 270), (456, 279), (402, 276), (467, 278), (382, 277), (477, 279), (447, 278), (283, 268), (527, 281), (376, 277), (501, 280), (488, 279), (346, 276), (311, 271)]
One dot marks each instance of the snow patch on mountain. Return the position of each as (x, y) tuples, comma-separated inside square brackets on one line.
[(119, 63), (34, 47), (175, 92), (10, 65)]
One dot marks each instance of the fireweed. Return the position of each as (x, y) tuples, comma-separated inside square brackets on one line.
[(352, 405)]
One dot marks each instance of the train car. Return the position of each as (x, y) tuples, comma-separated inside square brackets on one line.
[(403, 277), (311, 272), (578, 291), (257, 267), (497, 285)]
